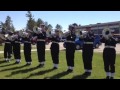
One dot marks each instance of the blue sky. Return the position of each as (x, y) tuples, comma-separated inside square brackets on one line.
[(63, 18)]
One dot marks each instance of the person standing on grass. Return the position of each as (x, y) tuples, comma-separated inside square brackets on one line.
[(27, 47), (41, 38), (55, 48), (87, 51), (109, 53), (8, 47), (70, 48), (16, 47)]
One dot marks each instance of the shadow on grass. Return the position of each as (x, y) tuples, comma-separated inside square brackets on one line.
[(14, 68), (59, 75), (8, 64), (2, 62), (22, 71), (81, 76), (39, 73)]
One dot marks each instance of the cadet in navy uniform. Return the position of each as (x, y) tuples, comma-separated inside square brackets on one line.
[(12, 45), (109, 55), (8, 47), (16, 47), (41, 37), (27, 48), (55, 48), (87, 51), (70, 48)]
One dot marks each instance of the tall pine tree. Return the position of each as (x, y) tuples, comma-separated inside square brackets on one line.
[(31, 22)]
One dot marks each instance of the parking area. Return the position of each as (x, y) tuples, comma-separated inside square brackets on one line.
[(100, 49)]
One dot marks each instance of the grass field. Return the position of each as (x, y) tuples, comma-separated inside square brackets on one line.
[(12, 71)]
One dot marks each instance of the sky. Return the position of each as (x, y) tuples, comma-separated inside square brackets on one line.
[(64, 18)]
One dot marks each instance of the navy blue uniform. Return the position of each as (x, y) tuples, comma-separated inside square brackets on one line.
[(41, 47), (70, 50), (87, 52), (27, 50), (12, 43), (7, 50), (16, 49), (55, 50), (109, 55)]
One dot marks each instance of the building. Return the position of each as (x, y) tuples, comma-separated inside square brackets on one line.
[(98, 28)]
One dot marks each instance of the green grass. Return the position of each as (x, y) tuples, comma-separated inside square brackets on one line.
[(11, 71), (1, 48)]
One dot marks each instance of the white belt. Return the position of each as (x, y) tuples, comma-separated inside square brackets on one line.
[(70, 41), (55, 42), (8, 42), (40, 40), (88, 42), (109, 47), (17, 42), (27, 42)]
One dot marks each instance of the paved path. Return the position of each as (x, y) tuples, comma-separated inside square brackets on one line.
[(100, 49)]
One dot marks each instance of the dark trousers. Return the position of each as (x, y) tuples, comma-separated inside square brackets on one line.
[(16, 50), (12, 45), (41, 51), (70, 50), (27, 52), (55, 53), (109, 57), (87, 55), (7, 50)]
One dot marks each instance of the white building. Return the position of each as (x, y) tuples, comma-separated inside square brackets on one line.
[(98, 28)]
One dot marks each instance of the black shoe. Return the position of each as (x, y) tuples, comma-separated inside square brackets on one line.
[(41, 65), (28, 64), (17, 62), (87, 73), (107, 77), (111, 77), (8, 61), (69, 71), (55, 68)]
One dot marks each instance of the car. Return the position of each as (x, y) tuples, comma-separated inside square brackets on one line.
[(79, 43), (62, 39)]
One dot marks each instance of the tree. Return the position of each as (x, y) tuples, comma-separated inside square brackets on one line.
[(75, 24), (58, 27), (46, 25), (3, 25), (29, 15), (12, 28), (50, 27), (7, 25), (39, 21), (31, 22)]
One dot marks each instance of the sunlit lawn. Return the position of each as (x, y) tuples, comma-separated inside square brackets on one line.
[(12, 71)]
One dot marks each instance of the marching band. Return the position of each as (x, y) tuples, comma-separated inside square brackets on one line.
[(109, 52), (40, 34), (27, 47), (16, 47), (87, 51), (8, 47), (70, 48), (55, 38)]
